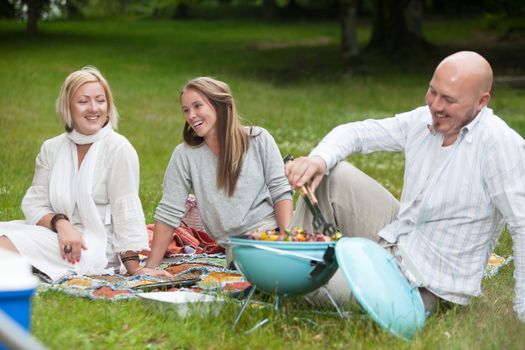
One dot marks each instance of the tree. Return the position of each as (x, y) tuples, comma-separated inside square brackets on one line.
[(349, 46), (414, 18), (123, 6), (34, 11), (7, 10), (269, 9), (397, 26)]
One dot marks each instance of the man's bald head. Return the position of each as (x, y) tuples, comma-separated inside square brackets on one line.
[(459, 90), (468, 67)]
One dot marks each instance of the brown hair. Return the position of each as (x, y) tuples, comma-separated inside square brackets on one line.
[(232, 138), (87, 74)]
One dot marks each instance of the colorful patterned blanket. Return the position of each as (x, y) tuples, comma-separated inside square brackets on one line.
[(494, 264), (198, 273)]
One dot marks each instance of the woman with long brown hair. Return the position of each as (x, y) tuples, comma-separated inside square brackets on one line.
[(235, 172)]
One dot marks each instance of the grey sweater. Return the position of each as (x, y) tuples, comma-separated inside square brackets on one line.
[(260, 186)]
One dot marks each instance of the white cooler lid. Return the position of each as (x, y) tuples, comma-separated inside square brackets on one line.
[(15, 272)]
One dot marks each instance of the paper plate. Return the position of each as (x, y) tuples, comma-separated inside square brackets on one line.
[(183, 303), (380, 287)]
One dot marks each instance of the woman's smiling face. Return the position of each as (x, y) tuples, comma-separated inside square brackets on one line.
[(89, 108), (199, 113)]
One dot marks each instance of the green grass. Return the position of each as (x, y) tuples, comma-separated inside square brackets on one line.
[(286, 78)]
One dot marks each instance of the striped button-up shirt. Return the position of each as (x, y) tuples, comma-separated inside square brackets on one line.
[(452, 214)]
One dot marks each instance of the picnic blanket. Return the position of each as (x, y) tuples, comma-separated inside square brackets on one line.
[(205, 273), (495, 263), (202, 272)]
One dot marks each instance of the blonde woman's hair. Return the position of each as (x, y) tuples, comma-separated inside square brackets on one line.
[(232, 137), (87, 74)]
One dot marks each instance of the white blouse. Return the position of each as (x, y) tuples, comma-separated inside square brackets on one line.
[(115, 193)]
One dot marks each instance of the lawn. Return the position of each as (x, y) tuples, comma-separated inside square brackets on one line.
[(286, 78)]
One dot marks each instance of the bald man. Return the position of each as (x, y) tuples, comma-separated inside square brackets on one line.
[(464, 179)]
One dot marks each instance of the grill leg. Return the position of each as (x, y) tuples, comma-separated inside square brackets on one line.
[(257, 326), (333, 302), (244, 304)]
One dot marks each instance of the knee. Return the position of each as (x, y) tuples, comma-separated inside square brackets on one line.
[(343, 173), (341, 168)]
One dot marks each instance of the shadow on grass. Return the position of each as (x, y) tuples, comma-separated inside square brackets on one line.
[(323, 64)]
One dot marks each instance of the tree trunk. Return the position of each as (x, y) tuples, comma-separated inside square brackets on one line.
[(7, 9), (33, 14), (34, 10), (349, 47), (292, 5), (414, 18), (123, 6), (269, 9), (392, 32)]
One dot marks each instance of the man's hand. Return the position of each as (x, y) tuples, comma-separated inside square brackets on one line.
[(305, 171)]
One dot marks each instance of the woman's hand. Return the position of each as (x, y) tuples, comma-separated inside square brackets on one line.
[(70, 241), (150, 271)]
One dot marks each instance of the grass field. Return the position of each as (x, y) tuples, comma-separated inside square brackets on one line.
[(286, 78)]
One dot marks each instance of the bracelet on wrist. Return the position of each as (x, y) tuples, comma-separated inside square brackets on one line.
[(130, 258), (55, 219)]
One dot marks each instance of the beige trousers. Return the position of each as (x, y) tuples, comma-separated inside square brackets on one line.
[(360, 207)]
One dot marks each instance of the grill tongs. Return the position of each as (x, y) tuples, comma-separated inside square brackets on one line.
[(318, 221)]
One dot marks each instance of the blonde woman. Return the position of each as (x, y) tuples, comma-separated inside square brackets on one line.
[(82, 212), (235, 172)]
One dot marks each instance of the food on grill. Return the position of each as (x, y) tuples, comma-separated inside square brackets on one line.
[(296, 234)]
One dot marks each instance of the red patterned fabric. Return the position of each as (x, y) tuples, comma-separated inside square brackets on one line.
[(205, 244), (190, 234)]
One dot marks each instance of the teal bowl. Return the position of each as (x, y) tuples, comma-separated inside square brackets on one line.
[(284, 268)]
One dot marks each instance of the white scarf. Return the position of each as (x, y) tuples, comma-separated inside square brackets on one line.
[(70, 186)]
